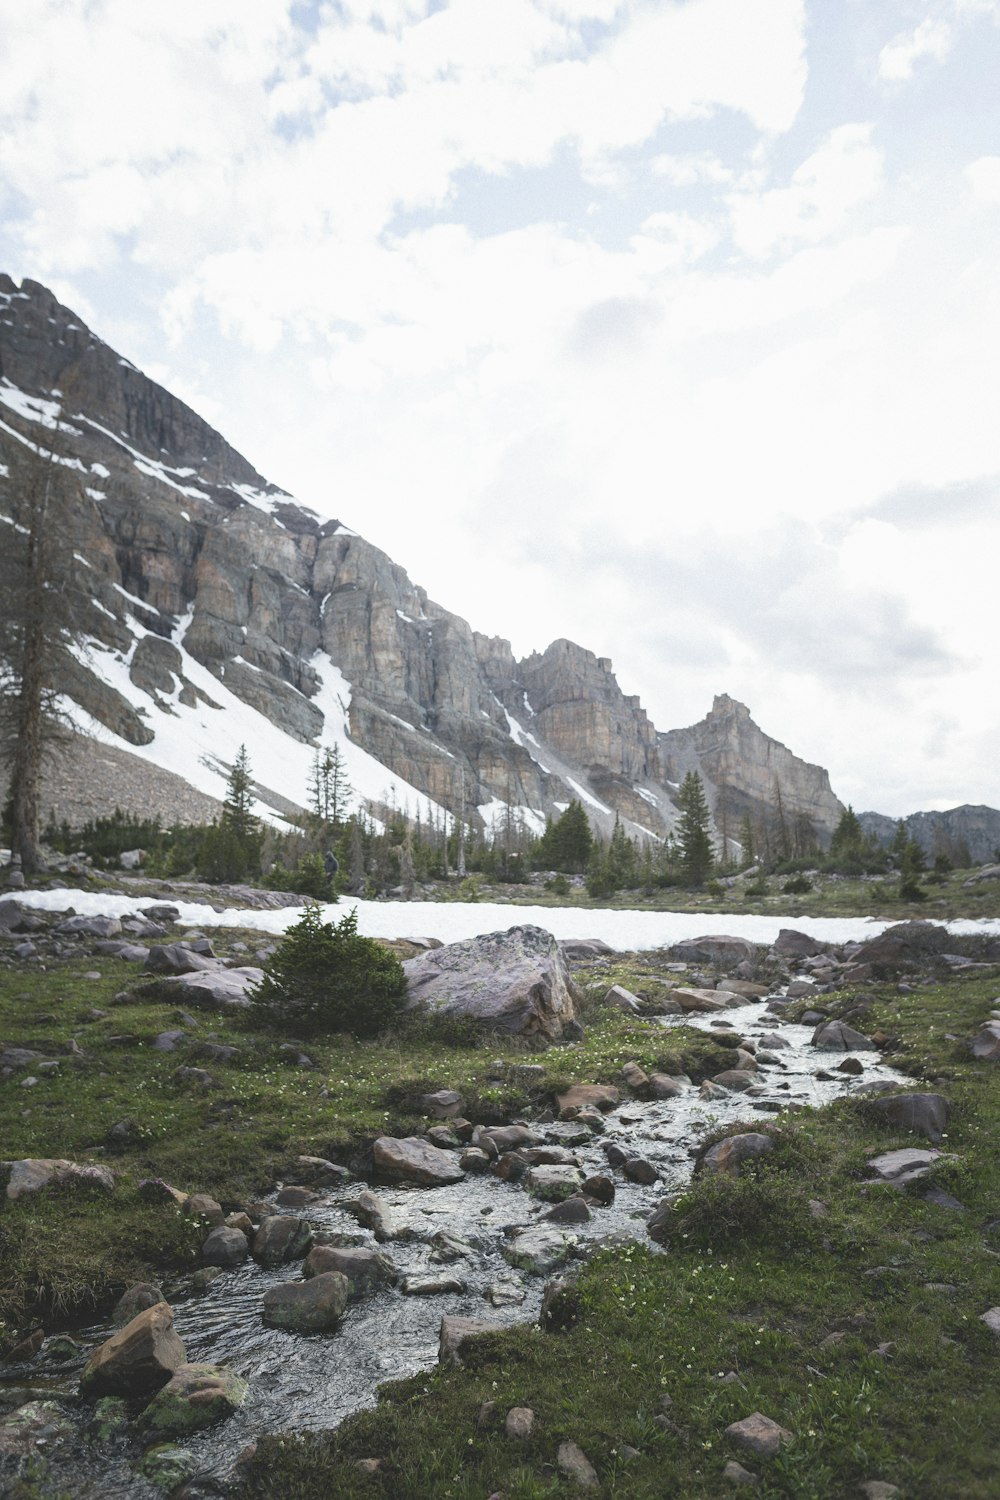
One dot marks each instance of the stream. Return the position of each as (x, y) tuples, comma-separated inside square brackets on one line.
[(311, 1382)]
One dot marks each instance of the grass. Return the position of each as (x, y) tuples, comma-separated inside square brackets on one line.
[(736, 1316), (67, 1255)]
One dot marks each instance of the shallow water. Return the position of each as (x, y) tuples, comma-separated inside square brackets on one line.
[(300, 1383)]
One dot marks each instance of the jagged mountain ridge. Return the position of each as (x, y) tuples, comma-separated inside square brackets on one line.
[(966, 835), (225, 612)]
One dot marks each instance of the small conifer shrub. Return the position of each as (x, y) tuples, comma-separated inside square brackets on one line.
[(324, 978)]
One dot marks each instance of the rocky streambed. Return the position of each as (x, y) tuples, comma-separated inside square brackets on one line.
[(480, 1248)]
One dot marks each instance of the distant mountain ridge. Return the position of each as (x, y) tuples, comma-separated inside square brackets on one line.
[(966, 834), (224, 612)]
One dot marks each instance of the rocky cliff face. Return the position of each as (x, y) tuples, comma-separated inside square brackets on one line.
[(747, 772), (223, 612), (967, 834)]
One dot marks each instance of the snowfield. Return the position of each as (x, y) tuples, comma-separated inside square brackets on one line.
[(453, 921)]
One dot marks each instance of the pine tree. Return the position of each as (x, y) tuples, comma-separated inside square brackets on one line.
[(567, 843), (40, 614), (242, 829), (693, 831), (330, 791), (747, 842)]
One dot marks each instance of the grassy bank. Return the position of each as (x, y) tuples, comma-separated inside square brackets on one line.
[(67, 1254), (860, 1330)]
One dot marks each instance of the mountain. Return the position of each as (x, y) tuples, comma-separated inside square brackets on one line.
[(223, 612), (967, 835)]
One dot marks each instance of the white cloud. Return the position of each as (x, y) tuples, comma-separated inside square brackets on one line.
[(983, 177), (933, 38), (824, 191)]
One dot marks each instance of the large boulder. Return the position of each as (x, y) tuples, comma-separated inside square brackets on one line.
[(33, 1173), (790, 943), (137, 1360), (413, 1159), (907, 942), (515, 981), (313, 1306), (213, 988), (177, 958), (702, 1000), (721, 949), (366, 1270), (837, 1036), (281, 1238), (987, 1042), (927, 1114), (727, 1156)]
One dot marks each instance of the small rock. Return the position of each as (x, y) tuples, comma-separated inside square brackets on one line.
[(201, 1206), (294, 1196), (735, 1473), (760, 1434), (135, 1300), (454, 1332), (519, 1423), (225, 1247), (575, 1466)]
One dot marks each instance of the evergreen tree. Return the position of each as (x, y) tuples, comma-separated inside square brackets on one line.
[(330, 790), (747, 841), (242, 830), (41, 608), (567, 843), (622, 859), (237, 808), (693, 831), (848, 841)]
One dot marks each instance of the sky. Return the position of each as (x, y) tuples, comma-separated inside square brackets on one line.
[(671, 328)]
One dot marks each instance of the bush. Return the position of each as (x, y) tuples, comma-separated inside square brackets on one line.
[(323, 978), (718, 1212), (797, 886), (310, 879)]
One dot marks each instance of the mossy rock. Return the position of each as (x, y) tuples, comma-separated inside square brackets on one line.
[(195, 1396), (168, 1466)]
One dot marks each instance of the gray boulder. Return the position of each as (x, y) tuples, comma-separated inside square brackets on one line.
[(986, 1045), (515, 981), (98, 927), (313, 1306), (927, 1114), (33, 1173), (538, 1249), (907, 1165), (175, 958), (280, 1238), (212, 988), (721, 949), (454, 1332), (413, 1159), (837, 1036), (366, 1270), (225, 1247), (727, 1156)]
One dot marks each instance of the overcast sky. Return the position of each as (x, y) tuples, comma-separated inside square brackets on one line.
[(669, 327)]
